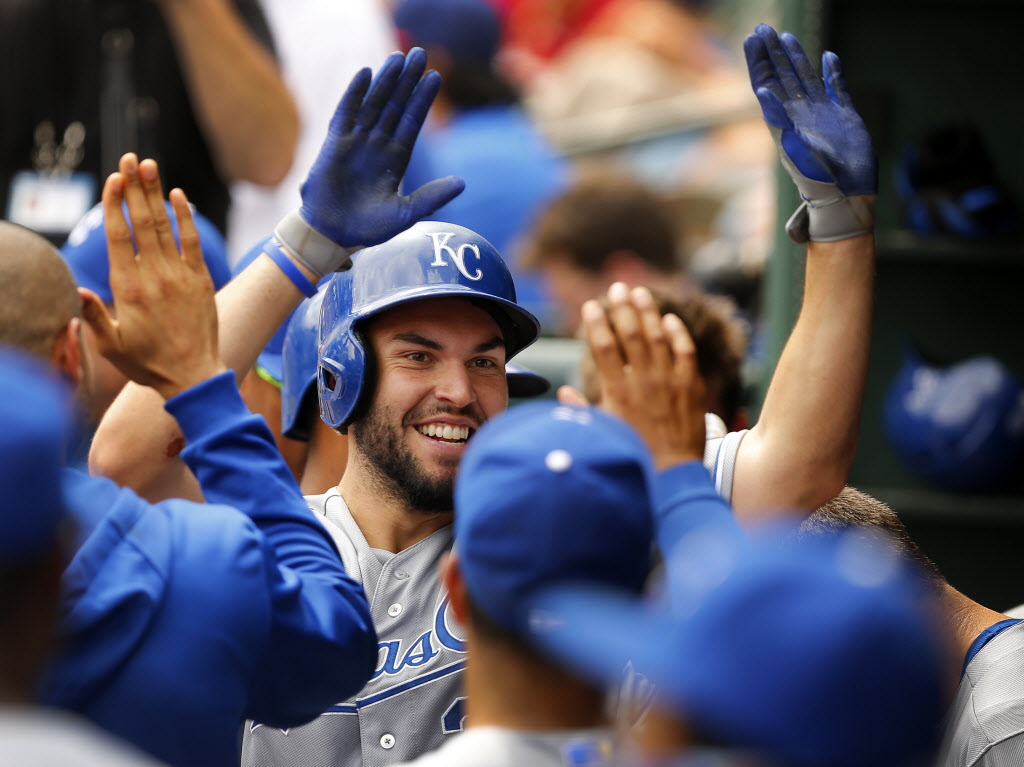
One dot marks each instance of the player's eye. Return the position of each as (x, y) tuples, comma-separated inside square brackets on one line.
[(417, 356), (484, 362)]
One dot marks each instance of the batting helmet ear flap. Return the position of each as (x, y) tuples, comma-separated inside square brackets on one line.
[(369, 383)]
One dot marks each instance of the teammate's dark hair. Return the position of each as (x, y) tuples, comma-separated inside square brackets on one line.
[(604, 211), (468, 85), (852, 508), (721, 341)]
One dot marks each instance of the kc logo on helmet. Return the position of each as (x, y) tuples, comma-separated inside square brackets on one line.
[(458, 256)]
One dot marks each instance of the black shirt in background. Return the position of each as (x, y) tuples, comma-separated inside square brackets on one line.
[(53, 67)]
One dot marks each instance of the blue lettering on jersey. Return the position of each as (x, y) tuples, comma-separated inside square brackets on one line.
[(391, 659)]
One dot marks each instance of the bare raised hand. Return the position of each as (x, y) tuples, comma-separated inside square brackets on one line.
[(163, 332), (647, 373)]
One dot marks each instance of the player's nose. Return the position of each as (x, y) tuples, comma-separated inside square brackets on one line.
[(455, 386)]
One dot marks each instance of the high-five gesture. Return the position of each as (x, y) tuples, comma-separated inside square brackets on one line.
[(165, 334), (350, 198), (823, 142), (647, 372)]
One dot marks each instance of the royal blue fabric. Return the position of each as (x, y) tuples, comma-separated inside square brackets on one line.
[(182, 620)]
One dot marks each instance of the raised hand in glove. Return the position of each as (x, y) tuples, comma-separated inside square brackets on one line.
[(823, 142), (350, 198)]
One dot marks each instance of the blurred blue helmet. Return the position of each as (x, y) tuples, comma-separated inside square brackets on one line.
[(959, 427), (947, 184), (86, 251), (429, 260)]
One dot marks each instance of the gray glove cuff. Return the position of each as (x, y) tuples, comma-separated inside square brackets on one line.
[(316, 252), (829, 220)]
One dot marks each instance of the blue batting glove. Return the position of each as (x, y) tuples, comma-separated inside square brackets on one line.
[(823, 142), (350, 198)]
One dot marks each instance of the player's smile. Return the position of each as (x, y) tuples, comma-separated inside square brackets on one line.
[(444, 432), (445, 436)]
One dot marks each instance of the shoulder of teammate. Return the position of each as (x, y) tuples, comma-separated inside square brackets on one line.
[(115, 525)]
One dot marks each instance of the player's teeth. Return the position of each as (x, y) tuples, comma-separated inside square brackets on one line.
[(454, 433)]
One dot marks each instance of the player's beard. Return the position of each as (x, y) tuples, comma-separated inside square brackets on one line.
[(380, 441)]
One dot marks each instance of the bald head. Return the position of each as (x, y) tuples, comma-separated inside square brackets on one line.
[(38, 296)]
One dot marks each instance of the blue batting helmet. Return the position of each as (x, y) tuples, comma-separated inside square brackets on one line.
[(961, 427), (429, 260)]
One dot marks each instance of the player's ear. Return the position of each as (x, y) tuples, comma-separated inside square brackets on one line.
[(451, 579), (68, 354)]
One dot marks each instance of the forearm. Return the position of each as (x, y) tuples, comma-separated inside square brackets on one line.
[(138, 444), (242, 104), (799, 452)]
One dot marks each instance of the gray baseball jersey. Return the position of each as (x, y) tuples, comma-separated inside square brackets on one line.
[(985, 727), (415, 696), (414, 700), (500, 747)]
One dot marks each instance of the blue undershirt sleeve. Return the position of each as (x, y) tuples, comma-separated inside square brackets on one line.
[(684, 500)]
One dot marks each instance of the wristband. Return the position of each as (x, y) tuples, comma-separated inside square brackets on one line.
[(316, 252), (291, 271)]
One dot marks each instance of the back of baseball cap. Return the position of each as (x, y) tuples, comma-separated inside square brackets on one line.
[(86, 251), (803, 653), (34, 414), (548, 494), (465, 29)]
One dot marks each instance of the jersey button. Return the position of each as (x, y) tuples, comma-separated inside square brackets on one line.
[(401, 575), (387, 740), (395, 610)]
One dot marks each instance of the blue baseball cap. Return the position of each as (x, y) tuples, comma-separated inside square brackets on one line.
[(34, 424), (86, 251), (548, 493), (799, 652), (466, 29), (959, 427)]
